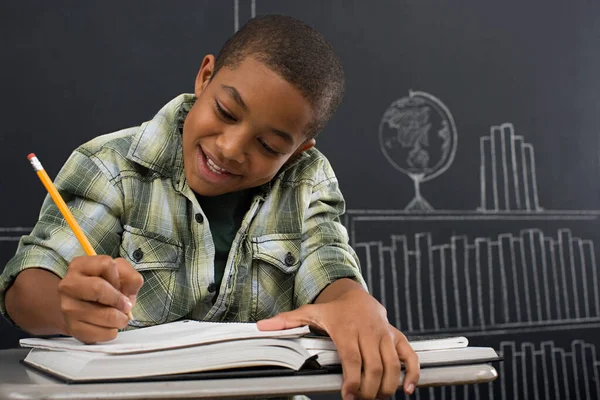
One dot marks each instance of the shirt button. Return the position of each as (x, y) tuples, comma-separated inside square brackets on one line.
[(212, 288), (138, 254), (199, 218), (289, 260)]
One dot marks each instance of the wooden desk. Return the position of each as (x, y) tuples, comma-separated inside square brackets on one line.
[(20, 382)]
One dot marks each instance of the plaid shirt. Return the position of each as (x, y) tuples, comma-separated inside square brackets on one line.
[(128, 192)]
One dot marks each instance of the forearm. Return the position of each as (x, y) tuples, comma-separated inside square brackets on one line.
[(337, 289), (32, 302)]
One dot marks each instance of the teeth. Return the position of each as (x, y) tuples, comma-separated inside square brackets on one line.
[(214, 167)]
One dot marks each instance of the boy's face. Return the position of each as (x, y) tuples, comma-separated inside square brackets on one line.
[(246, 123)]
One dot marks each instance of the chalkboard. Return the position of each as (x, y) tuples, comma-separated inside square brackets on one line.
[(467, 149)]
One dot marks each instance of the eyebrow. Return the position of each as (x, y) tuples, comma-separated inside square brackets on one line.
[(233, 92)]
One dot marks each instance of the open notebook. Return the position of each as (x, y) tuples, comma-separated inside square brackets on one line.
[(177, 349)]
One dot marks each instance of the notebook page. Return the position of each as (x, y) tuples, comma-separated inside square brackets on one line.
[(165, 336)]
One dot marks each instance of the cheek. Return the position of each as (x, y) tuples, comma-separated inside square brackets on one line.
[(200, 122), (265, 170)]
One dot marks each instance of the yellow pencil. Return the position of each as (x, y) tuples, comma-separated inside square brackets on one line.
[(62, 206)]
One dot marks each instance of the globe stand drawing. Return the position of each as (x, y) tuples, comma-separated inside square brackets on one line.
[(418, 137), (418, 203)]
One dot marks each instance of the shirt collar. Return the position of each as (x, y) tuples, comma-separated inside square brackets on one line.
[(158, 143)]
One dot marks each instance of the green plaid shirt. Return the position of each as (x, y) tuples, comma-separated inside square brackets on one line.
[(128, 192)]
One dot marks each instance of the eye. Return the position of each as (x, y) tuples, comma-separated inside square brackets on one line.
[(224, 114), (268, 148)]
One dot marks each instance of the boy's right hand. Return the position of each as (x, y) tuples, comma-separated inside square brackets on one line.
[(96, 295)]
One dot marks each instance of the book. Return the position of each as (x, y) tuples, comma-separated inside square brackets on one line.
[(211, 349), (422, 343)]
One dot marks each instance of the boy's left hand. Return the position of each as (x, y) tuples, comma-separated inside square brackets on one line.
[(369, 347)]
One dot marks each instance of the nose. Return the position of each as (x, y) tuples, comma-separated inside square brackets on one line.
[(232, 145)]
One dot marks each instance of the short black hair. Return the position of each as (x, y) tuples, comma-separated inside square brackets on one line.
[(296, 52)]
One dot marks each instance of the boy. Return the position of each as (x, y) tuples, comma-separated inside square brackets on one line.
[(219, 208)]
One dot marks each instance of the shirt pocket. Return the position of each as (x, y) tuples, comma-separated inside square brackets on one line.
[(275, 262), (157, 259)]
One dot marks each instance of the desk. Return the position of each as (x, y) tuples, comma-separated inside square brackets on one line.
[(20, 382)]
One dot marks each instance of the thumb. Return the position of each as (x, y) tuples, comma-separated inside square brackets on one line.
[(131, 280), (287, 320)]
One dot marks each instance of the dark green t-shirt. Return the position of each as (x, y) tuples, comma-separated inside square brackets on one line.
[(225, 213)]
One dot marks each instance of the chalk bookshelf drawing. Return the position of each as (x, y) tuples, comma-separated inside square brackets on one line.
[(507, 265), (488, 283), (532, 372), (507, 172), (553, 371)]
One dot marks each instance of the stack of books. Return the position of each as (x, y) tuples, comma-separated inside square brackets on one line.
[(195, 350)]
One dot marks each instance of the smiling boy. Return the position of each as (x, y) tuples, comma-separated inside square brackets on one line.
[(220, 209)]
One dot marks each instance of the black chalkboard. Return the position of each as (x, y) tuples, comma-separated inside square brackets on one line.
[(467, 148)]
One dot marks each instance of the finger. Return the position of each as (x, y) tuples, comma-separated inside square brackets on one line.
[(407, 355), (94, 289), (89, 333), (349, 352), (102, 266), (93, 313), (289, 319), (391, 368), (372, 365), (131, 281)]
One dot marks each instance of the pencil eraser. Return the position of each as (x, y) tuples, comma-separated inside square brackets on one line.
[(35, 163)]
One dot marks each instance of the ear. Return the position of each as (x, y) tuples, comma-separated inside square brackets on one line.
[(309, 144), (204, 75)]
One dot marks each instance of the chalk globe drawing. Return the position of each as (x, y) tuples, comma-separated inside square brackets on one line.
[(418, 137)]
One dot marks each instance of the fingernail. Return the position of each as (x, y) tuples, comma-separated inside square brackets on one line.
[(128, 304), (410, 389), (349, 397), (132, 299)]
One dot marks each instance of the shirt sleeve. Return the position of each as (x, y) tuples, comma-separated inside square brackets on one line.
[(96, 204), (325, 252)]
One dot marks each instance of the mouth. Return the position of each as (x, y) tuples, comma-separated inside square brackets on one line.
[(214, 167), (210, 169)]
